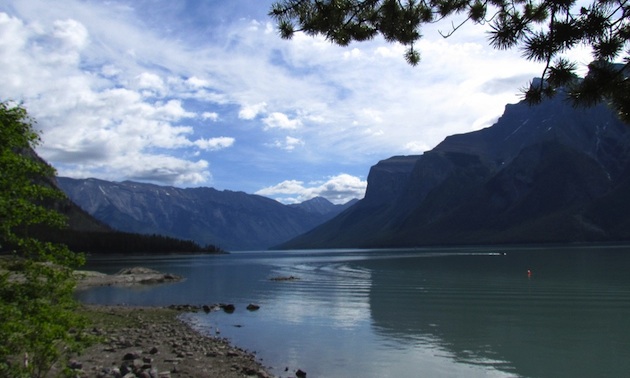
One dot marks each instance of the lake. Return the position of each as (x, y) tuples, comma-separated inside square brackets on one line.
[(456, 312)]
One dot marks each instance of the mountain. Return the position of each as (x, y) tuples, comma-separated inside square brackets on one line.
[(77, 219), (548, 173), (228, 219), (322, 206), (84, 233)]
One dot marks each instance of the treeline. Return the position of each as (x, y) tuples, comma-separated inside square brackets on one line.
[(124, 242)]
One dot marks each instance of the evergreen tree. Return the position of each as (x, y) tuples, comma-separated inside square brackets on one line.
[(543, 29), (38, 325)]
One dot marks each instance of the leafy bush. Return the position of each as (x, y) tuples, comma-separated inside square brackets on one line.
[(39, 326)]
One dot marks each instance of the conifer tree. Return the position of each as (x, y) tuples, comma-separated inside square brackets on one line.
[(544, 30)]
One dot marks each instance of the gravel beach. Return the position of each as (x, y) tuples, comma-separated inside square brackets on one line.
[(154, 342)]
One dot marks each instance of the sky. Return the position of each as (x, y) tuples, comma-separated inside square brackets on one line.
[(193, 93)]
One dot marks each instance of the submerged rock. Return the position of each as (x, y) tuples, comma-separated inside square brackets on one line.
[(229, 308), (253, 307)]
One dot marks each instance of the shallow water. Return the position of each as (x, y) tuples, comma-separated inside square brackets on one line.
[(467, 312)]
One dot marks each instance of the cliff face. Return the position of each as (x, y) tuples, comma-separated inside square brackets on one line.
[(230, 220), (545, 173)]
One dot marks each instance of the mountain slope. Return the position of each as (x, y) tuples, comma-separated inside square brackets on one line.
[(231, 220), (322, 206), (84, 233), (547, 173)]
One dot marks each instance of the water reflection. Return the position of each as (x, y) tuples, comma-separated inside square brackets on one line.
[(565, 321)]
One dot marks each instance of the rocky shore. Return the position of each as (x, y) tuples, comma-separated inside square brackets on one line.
[(125, 277), (155, 343)]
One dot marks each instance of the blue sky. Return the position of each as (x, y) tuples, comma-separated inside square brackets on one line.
[(205, 93)]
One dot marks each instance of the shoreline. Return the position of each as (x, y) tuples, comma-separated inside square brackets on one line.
[(155, 342), (126, 277)]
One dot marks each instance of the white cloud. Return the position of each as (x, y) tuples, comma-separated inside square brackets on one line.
[(196, 83), (250, 112), (416, 147), (281, 121), (354, 53), (159, 169), (152, 83), (214, 144), (289, 143), (375, 133), (337, 189), (71, 33), (213, 116), (166, 170), (93, 123)]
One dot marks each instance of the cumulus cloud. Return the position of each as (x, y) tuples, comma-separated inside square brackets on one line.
[(214, 144), (150, 84), (250, 112), (97, 120), (416, 147), (281, 121), (71, 33), (166, 170), (337, 189)]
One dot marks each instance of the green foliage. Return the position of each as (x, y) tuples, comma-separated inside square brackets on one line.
[(39, 327), (543, 30)]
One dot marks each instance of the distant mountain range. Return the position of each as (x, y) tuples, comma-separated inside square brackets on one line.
[(230, 220), (548, 173)]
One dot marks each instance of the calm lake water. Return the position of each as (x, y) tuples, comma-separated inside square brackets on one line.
[(471, 312)]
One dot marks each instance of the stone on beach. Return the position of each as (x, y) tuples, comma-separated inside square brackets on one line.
[(154, 343)]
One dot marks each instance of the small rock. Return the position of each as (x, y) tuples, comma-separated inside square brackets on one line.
[(131, 356), (125, 369), (75, 365), (300, 373), (229, 308), (249, 371), (253, 307)]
